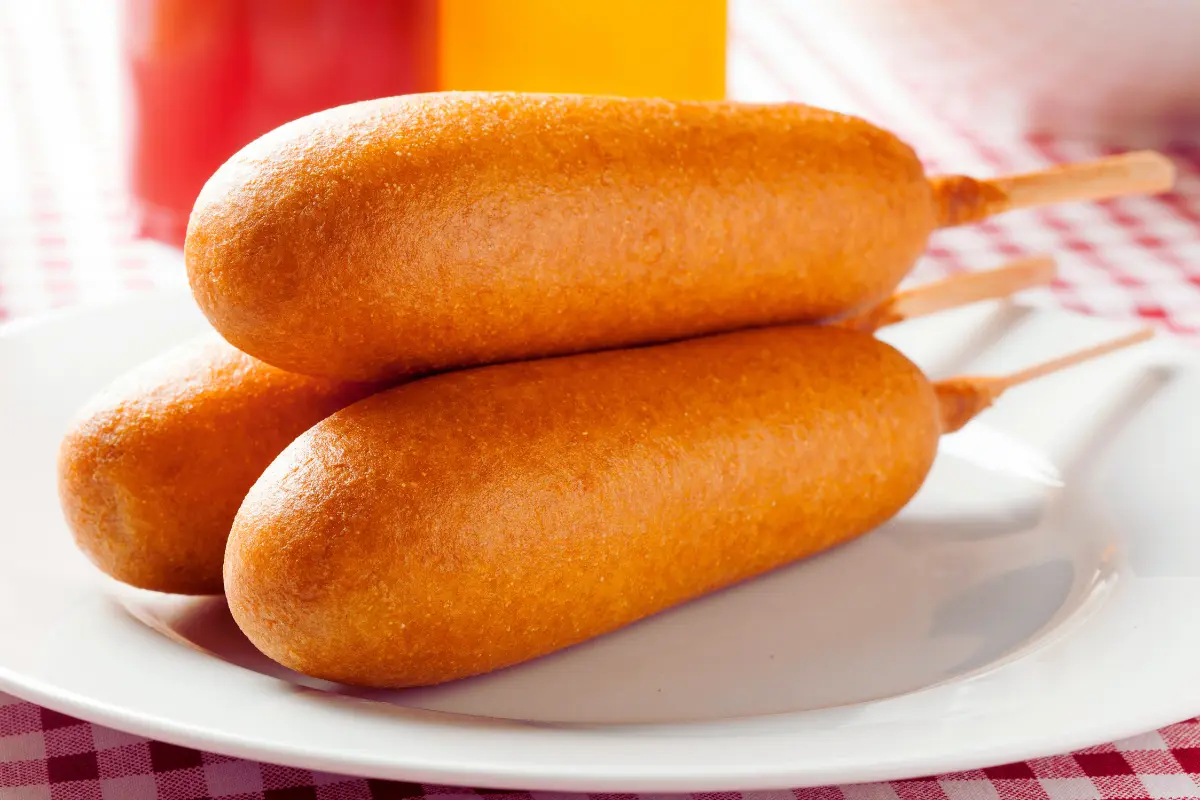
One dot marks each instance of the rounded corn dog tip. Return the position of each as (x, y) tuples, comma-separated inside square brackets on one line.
[(154, 467)]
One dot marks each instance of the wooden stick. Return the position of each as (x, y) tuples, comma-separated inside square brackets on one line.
[(961, 199), (962, 399), (956, 291), (1143, 172)]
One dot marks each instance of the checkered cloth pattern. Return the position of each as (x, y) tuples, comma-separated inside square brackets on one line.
[(67, 236), (45, 755)]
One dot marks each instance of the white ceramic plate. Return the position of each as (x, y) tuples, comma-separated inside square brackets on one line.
[(1040, 594)]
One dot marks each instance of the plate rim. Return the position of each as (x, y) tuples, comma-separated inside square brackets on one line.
[(468, 775)]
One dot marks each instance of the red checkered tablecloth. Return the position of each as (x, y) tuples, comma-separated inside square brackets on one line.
[(66, 237)]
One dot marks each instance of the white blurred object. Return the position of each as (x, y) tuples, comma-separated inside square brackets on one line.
[(1125, 70)]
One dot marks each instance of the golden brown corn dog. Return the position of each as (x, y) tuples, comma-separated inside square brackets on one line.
[(153, 469), (426, 232), (475, 520)]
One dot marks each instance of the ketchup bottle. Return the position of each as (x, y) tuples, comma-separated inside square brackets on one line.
[(209, 76)]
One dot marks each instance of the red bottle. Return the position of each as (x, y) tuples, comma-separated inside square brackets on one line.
[(209, 76)]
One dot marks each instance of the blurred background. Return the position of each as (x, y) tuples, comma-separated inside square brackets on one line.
[(114, 112)]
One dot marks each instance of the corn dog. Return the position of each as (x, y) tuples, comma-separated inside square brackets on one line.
[(475, 520), (421, 233), (152, 470)]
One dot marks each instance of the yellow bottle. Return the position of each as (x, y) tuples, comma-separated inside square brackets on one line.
[(635, 48)]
